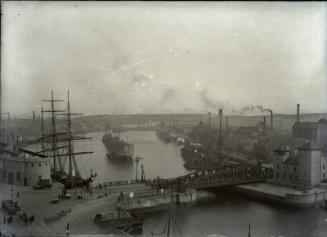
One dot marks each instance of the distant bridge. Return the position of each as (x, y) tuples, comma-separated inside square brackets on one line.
[(138, 128), (216, 177)]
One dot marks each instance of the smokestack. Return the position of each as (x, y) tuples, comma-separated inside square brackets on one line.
[(271, 119), (209, 119), (226, 122), (264, 124), (220, 132), (298, 113)]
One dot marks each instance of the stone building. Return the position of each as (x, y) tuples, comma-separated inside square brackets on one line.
[(304, 167), (312, 131), (21, 167)]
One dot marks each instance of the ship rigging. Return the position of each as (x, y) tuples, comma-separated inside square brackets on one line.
[(60, 147)]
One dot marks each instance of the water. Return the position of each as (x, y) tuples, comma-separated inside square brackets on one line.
[(214, 213), (158, 158)]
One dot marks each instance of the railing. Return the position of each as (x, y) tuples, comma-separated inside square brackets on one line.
[(133, 181), (125, 182), (223, 176), (216, 177)]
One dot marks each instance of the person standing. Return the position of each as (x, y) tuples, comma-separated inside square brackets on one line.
[(67, 230)]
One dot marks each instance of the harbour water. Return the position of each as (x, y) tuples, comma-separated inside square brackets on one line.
[(213, 213), (158, 158)]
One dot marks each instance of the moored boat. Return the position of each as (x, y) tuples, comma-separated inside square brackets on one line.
[(117, 148)]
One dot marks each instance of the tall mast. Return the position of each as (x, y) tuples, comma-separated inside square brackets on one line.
[(70, 147), (168, 228), (53, 123), (72, 165), (53, 112)]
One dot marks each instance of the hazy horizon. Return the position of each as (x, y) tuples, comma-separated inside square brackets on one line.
[(165, 57)]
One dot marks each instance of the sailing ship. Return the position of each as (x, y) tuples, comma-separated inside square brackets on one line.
[(117, 148), (59, 145)]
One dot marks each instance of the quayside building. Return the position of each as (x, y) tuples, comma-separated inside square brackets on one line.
[(303, 166), (19, 166)]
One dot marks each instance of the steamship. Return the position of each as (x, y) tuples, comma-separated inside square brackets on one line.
[(117, 148)]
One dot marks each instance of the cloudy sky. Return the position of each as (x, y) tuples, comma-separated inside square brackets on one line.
[(138, 57)]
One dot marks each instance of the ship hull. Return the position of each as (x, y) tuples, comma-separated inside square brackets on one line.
[(118, 149), (120, 157)]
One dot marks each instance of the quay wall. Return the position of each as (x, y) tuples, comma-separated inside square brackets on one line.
[(312, 198)]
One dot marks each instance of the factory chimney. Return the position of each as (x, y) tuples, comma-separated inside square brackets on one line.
[(298, 113), (220, 114), (209, 120), (226, 122), (271, 119), (264, 124)]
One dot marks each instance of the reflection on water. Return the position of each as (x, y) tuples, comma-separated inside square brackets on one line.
[(213, 213), (230, 215)]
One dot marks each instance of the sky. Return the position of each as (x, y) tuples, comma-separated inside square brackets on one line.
[(164, 57)]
